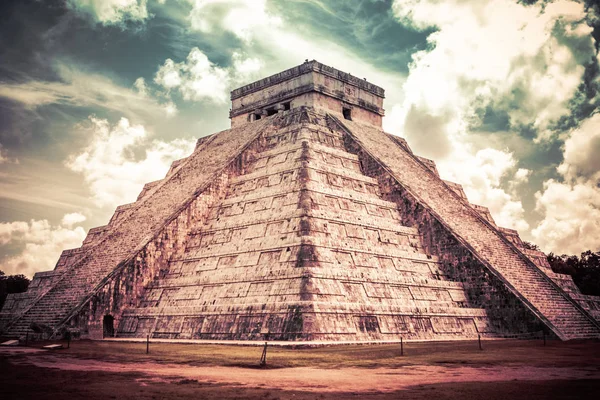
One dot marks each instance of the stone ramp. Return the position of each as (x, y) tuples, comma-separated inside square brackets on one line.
[(144, 220), (542, 296)]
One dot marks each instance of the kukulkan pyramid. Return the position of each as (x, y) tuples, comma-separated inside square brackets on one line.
[(304, 221)]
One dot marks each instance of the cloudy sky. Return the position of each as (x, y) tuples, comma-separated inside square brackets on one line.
[(97, 97)]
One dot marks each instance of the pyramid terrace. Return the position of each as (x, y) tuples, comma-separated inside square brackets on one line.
[(303, 222)]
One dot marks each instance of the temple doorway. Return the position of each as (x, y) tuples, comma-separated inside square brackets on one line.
[(108, 326)]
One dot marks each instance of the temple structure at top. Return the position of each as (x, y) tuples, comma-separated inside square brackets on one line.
[(312, 85), (304, 221)]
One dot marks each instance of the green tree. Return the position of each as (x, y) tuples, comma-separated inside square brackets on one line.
[(12, 284), (585, 270), (531, 246)]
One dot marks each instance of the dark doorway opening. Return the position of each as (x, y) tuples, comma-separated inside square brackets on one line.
[(347, 113), (257, 117), (108, 326), (287, 106), (271, 111)]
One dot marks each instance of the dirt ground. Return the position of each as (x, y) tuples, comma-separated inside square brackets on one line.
[(504, 369)]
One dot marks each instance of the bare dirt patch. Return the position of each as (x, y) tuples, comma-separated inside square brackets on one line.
[(320, 380), (562, 370)]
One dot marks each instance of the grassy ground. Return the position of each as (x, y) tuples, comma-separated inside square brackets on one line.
[(496, 352), (22, 381)]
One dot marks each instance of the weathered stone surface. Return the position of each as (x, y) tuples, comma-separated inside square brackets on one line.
[(302, 247), (131, 231), (311, 84), (414, 186), (309, 223)]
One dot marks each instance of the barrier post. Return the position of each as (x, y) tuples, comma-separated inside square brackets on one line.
[(263, 358)]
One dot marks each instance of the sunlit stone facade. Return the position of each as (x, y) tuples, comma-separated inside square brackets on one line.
[(304, 221)]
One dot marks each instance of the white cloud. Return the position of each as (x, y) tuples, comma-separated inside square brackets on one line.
[(582, 151), (498, 53), (41, 244), (481, 175), (140, 86), (112, 12), (264, 32), (241, 17), (245, 67), (522, 175), (79, 88), (571, 207), (71, 219), (526, 61), (571, 221), (197, 78), (109, 164), (4, 158), (169, 75), (171, 109), (291, 48), (33, 93), (7, 230)]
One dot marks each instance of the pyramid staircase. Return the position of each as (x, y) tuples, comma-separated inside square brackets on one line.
[(564, 316), (303, 247), (139, 223), (301, 224)]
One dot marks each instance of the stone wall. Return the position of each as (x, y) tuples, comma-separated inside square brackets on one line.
[(125, 288), (311, 84), (132, 228), (500, 256), (302, 225), (301, 246)]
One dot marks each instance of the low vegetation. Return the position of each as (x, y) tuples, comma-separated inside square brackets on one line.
[(12, 284), (22, 380), (585, 270), (495, 352)]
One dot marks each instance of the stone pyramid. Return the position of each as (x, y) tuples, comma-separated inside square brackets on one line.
[(304, 221)]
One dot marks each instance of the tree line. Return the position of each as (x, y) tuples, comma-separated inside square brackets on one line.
[(584, 269), (11, 284)]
